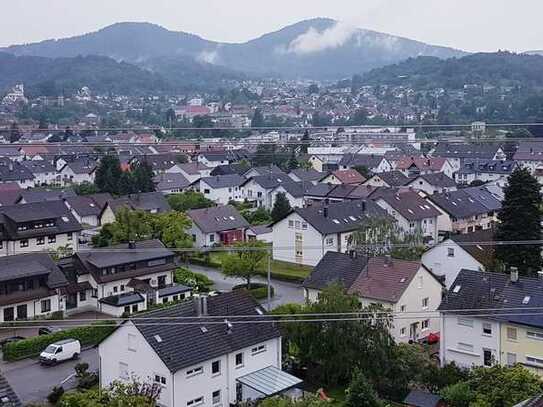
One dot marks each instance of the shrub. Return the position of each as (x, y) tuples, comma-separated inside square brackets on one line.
[(257, 290), (55, 395), (88, 335), (87, 381), (198, 281)]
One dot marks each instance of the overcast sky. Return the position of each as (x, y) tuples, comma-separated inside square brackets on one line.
[(472, 25)]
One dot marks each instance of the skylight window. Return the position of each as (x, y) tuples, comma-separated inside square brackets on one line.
[(526, 300), (203, 329), (335, 221), (158, 338), (402, 280), (65, 219), (231, 218), (352, 218), (410, 211), (457, 288)]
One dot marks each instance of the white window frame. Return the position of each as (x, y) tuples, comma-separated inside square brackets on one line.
[(242, 360), (194, 371), (123, 371), (510, 330), (258, 349), (216, 399), (465, 322), (536, 336), (132, 342), (487, 326), (198, 401), (220, 368), (425, 302)]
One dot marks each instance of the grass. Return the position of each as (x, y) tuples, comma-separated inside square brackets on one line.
[(280, 270)]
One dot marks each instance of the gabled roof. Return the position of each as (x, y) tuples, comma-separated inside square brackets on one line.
[(193, 168), (270, 181), (367, 160), (296, 189), (341, 191), (341, 216), (145, 201), (266, 169), (459, 204), (383, 280), (419, 398), (529, 151), (437, 179), (227, 169), (422, 163), (40, 166), (37, 195), (479, 290), (217, 219), (224, 181), (29, 265), (410, 205), (393, 178), (476, 244), (484, 150), (363, 192), (485, 197), (122, 300), (308, 175), (84, 205), (193, 344), (335, 268), (349, 176), (477, 166), (13, 171), (82, 165), (320, 190), (167, 181)]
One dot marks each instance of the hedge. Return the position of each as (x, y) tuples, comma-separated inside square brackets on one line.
[(257, 290), (88, 335), (206, 263)]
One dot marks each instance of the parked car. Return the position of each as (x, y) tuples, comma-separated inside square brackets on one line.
[(46, 330), (10, 339), (60, 351)]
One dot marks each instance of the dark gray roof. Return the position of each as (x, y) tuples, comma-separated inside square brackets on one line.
[(410, 205), (458, 204), (8, 397), (215, 156), (437, 179), (308, 175), (13, 171), (29, 265), (159, 162), (529, 151), (193, 168), (270, 181), (483, 151), (217, 219), (296, 189), (224, 181), (168, 181), (320, 190), (40, 166), (341, 191), (340, 217), (367, 160), (483, 195), (10, 216), (147, 201), (470, 166), (37, 195), (261, 229), (419, 398), (227, 169), (84, 205), (484, 290), (334, 268), (266, 169), (393, 178), (483, 253), (122, 254), (180, 348), (82, 165), (174, 289), (122, 300)]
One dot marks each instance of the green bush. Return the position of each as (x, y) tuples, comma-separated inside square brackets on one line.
[(198, 281), (88, 335), (55, 395), (257, 290), (204, 262)]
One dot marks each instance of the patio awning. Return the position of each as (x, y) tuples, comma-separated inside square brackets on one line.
[(269, 381)]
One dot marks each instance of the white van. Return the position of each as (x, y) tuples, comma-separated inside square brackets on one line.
[(60, 351)]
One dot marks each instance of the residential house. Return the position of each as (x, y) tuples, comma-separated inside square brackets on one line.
[(44, 195), (171, 183), (421, 398), (259, 189), (44, 172), (261, 233), (307, 176), (87, 209), (529, 155), (36, 227), (464, 211), (30, 286), (294, 192), (202, 364), (217, 225), (433, 183), (493, 334), (374, 163), (413, 214), (306, 234), (13, 171), (152, 202), (78, 171), (485, 171), (415, 166), (213, 159), (391, 179), (121, 279), (264, 170), (398, 285), (471, 251), (456, 153), (237, 168), (191, 171), (348, 177), (325, 162), (9, 193), (159, 163), (221, 189)]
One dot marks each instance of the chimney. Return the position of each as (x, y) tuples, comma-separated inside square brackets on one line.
[(203, 304), (197, 305), (514, 274), (388, 260), (229, 326), (132, 244), (325, 211), (10, 165)]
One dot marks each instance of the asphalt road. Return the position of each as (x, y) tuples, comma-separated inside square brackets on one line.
[(285, 292), (33, 382)]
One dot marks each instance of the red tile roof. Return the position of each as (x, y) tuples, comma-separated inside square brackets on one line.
[(351, 177)]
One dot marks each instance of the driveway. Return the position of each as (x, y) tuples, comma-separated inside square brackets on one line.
[(33, 382), (285, 292)]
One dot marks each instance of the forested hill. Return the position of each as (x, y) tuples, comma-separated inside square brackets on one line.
[(497, 69)]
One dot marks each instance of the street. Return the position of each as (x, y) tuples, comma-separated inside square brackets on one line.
[(285, 292), (33, 382)]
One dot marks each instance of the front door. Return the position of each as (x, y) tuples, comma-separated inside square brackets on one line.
[(22, 312), (414, 331), (9, 314)]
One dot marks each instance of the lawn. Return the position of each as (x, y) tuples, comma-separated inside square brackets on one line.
[(279, 269)]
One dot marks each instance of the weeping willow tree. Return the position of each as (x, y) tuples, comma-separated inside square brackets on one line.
[(382, 236)]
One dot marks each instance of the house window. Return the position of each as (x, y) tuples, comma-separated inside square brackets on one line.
[(115, 289), (304, 225), (533, 360), (465, 346), (212, 237), (135, 308), (216, 367), (195, 372), (329, 241), (193, 238), (123, 370), (421, 280), (512, 334), (52, 239), (487, 329), (82, 296), (297, 224), (402, 331), (122, 287), (70, 236), (40, 241), (23, 243), (132, 342), (487, 357), (511, 359), (290, 224), (216, 397), (160, 379), (535, 335), (299, 237), (465, 322), (45, 305), (206, 191), (196, 402), (258, 349), (402, 308), (450, 252), (239, 359), (425, 302), (1, 244), (425, 324), (127, 309)]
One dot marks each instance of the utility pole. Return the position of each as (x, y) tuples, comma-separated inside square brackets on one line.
[(269, 279)]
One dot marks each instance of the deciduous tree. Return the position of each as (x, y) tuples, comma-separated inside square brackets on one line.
[(245, 262)]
